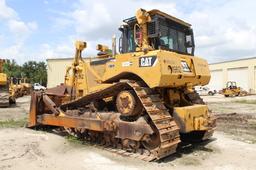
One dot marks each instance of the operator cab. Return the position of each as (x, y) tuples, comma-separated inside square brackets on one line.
[(231, 85), (163, 31)]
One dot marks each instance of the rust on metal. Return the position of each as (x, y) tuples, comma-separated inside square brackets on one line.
[(33, 110), (72, 122), (59, 90), (50, 104)]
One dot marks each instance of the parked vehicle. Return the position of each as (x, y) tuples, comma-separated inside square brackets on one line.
[(38, 86), (204, 91)]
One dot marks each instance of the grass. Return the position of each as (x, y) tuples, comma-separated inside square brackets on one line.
[(245, 101), (11, 123), (74, 139)]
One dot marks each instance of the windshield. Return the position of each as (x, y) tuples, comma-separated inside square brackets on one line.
[(174, 38)]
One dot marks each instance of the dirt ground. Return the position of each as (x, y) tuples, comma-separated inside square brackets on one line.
[(22, 148), (242, 105), (236, 116), (17, 112), (28, 149)]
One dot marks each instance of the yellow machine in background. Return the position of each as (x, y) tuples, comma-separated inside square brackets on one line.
[(8, 92), (141, 100), (4, 87), (11, 88), (232, 90), (19, 87), (26, 87)]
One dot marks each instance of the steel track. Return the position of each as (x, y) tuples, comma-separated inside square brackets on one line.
[(161, 121)]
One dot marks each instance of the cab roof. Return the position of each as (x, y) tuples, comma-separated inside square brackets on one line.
[(157, 12)]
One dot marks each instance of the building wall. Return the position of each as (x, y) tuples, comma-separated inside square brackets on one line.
[(56, 69), (242, 71)]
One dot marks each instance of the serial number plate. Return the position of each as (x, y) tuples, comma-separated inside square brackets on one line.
[(185, 66)]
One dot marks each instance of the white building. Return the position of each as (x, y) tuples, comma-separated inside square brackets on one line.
[(56, 70), (242, 71)]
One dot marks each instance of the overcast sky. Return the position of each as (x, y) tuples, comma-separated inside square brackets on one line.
[(36, 30)]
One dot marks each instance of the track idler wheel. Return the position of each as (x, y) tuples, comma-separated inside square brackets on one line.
[(128, 104), (130, 145), (152, 142)]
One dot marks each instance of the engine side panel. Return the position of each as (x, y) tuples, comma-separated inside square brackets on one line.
[(178, 70), (160, 68)]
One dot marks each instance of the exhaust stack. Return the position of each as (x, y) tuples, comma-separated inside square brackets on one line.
[(114, 45)]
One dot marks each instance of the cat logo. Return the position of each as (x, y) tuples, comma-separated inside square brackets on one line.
[(147, 61)]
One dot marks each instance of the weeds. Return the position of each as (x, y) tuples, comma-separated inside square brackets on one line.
[(245, 101), (11, 123), (74, 139)]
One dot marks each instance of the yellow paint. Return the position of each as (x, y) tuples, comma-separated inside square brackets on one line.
[(3, 79), (192, 118), (3, 76), (167, 72)]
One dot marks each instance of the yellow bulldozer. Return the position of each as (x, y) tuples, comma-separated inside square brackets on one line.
[(4, 87), (140, 102), (26, 87), (11, 88), (19, 87), (7, 94), (232, 90)]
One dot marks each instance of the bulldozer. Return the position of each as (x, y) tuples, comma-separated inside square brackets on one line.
[(8, 92), (19, 87), (232, 90), (139, 102), (4, 87), (11, 88), (26, 87)]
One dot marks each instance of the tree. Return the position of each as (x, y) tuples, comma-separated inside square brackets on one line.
[(12, 69), (34, 71)]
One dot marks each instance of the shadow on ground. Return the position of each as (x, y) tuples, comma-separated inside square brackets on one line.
[(188, 148), (182, 150)]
